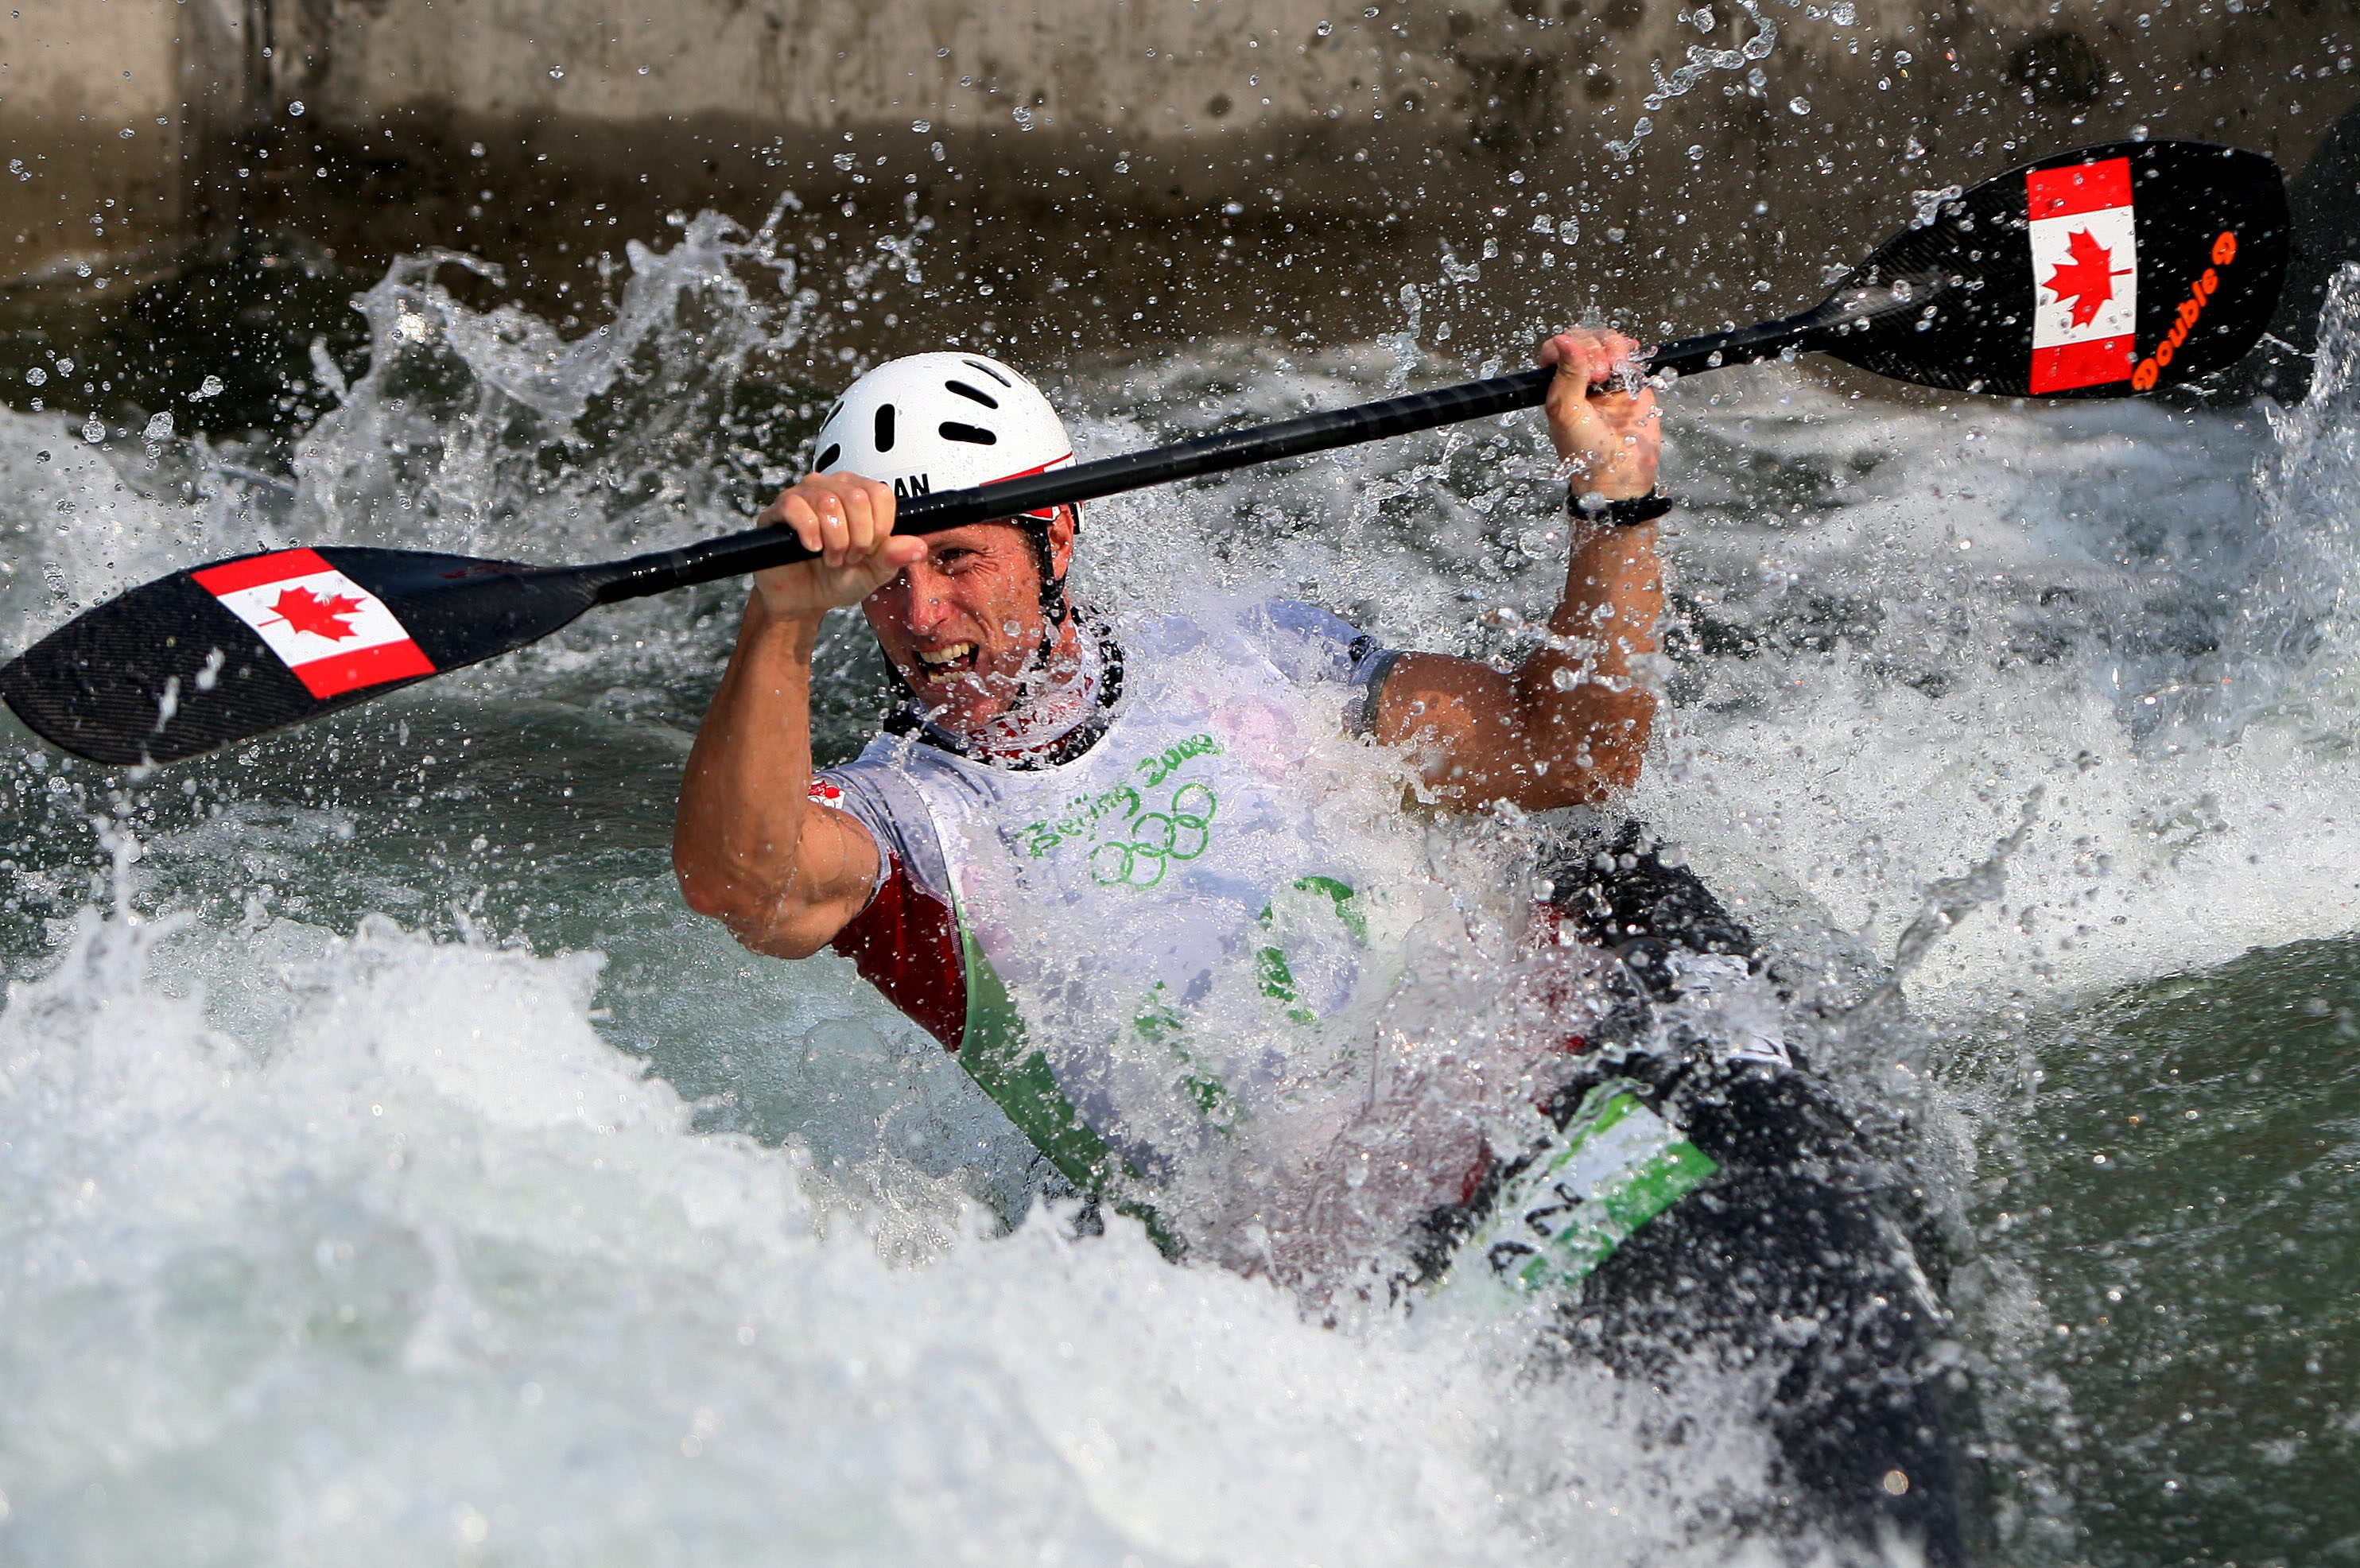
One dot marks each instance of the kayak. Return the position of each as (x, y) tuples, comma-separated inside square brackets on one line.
[(1712, 1202)]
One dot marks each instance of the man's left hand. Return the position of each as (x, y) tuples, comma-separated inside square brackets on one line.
[(1609, 437)]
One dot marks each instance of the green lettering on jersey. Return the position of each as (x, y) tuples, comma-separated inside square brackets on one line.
[(1133, 838), (994, 1049), (1159, 1023), (1271, 971)]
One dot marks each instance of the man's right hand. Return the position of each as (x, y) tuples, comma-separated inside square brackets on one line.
[(1609, 436), (848, 520)]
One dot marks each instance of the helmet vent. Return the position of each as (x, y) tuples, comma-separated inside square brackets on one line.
[(993, 374), (974, 435), (827, 459), (884, 426), (964, 390)]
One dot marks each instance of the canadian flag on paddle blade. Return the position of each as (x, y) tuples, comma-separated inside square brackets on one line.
[(2085, 275), (335, 634)]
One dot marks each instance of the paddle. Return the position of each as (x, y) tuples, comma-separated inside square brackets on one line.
[(2019, 287)]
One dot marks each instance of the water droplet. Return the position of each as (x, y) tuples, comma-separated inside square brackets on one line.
[(94, 432), (37, 376), (922, 126), (1696, 153), (211, 386), (296, 108), (474, 149), (1799, 106), (65, 367), (1324, 28), (557, 73), (843, 161), (158, 429), (1842, 14)]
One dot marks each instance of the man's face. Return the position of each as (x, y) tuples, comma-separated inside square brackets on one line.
[(961, 626)]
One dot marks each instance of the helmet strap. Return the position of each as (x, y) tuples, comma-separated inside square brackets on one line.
[(1052, 599), (1052, 586), (1055, 606)]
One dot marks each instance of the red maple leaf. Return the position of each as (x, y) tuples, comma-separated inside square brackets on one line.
[(307, 612), (2088, 279)]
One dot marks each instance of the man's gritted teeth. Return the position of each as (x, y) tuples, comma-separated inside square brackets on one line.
[(947, 662)]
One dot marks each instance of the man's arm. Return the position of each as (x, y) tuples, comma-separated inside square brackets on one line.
[(1569, 725), (750, 846)]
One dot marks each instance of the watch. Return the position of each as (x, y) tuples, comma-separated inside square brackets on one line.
[(1623, 514)]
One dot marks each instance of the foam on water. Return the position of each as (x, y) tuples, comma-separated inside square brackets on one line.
[(439, 1269), (2082, 623), (329, 1237)]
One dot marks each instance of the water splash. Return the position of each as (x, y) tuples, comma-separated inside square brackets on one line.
[(2309, 489), (1949, 899), (437, 1270), (1703, 61), (1895, 624)]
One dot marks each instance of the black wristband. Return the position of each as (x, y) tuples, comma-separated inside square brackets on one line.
[(1623, 514)]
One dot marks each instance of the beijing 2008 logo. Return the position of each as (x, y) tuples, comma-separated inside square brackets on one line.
[(1180, 831)]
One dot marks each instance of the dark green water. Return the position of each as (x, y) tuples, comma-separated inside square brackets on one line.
[(2182, 1187)]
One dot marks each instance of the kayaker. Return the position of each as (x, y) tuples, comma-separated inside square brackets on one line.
[(1147, 876), (1158, 786), (1008, 679)]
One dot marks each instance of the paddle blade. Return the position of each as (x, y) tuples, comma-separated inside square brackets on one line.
[(2097, 273), (198, 659)]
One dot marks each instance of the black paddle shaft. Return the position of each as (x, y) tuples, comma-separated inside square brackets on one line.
[(164, 671), (1946, 303), (2162, 262), (756, 550)]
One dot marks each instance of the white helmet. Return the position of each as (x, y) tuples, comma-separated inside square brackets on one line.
[(942, 422)]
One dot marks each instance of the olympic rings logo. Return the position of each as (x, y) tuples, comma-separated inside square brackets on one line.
[(1158, 838)]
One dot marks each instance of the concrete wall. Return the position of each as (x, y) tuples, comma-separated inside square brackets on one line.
[(1309, 107), (1210, 73), (1159, 71), (90, 114)]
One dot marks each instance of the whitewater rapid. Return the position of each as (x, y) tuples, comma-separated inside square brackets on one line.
[(390, 1167)]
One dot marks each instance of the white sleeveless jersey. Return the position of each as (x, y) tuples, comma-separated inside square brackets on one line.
[(1182, 930)]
